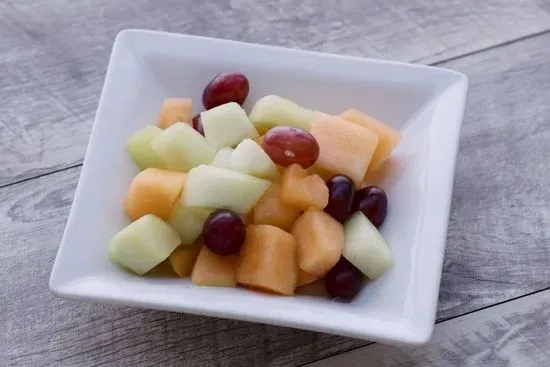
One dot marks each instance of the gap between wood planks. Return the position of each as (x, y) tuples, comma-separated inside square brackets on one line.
[(437, 322), (436, 63)]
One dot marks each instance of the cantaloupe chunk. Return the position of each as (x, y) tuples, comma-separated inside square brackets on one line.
[(268, 260), (271, 210), (302, 191), (388, 138), (175, 110), (345, 148), (183, 259), (305, 278), (320, 241), (153, 191), (214, 270)]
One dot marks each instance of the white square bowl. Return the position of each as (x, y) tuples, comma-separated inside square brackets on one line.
[(425, 103)]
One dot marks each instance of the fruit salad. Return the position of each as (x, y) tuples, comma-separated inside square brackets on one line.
[(269, 200)]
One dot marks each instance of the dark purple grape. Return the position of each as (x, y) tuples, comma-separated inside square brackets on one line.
[(224, 232), (343, 280), (197, 124), (287, 145), (225, 88), (373, 202), (341, 192)]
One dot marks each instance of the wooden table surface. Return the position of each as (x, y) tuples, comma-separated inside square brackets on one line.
[(494, 301)]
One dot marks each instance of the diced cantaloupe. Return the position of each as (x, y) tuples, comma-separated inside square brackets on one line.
[(175, 110), (388, 138), (305, 278), (320, 241), (153, 191), (268, 260), (183, 259), (345, 148), (271, 210), (140, 148), (303, 191), (214, 270)]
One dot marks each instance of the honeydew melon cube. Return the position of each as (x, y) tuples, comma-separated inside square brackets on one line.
[(143, 244), (140, 149), (251, 159), (273, 110), (227, 125), (181, 148), (219, 188)]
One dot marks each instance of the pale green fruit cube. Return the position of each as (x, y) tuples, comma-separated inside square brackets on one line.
[(227, 125), (181, 148), (140, 148), (143, 244)]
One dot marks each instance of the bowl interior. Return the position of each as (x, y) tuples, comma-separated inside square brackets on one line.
[(144, 70)]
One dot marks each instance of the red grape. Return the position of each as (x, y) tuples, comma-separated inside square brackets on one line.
[(343, 280), (224, 232), (197, 124), (286, 145), (373, 202), (225, 88), (341, 191)]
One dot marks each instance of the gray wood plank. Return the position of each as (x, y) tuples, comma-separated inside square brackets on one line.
[(38, 329), (498, 244), (516, 333), (53, 58)]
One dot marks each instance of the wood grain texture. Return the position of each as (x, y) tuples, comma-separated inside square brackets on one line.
[(53, 57), (498, 243), (38, 329), (512, 334)]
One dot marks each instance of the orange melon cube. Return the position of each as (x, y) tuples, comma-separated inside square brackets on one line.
[(302, 191), (305, 278), (320, 241), (175, 110), (214, 270), (271, 210), (153, 191), (345, 148), (268, 260), (183, 259), (388, 138)]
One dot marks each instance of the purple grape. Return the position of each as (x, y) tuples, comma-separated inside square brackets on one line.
[(197, 124), (373, 202), (224, 232), (286, 145), (343, 280), (341, 192), (225, 88)]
